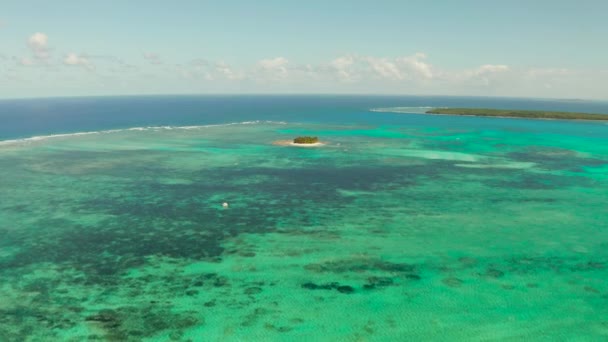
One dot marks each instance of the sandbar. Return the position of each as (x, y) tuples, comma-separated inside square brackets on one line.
[(291, 143)]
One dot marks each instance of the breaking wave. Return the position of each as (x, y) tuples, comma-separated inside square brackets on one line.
[(143, 128)]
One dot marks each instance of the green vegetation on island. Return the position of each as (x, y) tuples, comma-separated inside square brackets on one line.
[(306, 140), (515, 113)]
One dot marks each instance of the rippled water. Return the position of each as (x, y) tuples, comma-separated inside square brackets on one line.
[(465, 229)]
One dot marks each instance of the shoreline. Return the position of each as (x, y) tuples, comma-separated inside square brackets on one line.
[(520, 113), (516, 117), (291, 143), (605, 121)]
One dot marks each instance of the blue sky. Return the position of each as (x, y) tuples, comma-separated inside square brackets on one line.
[(494, 48)]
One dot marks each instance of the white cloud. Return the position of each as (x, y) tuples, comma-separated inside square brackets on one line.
[(353, 68), (25, 61), (275, 68), (274, 63), (552, 78), (416, 65), (202, 69), (491, 69), (153, 58), (200, 62), (226, 71), (343, 67), (112, 63), (536, 73), (488, 73), (38, 43), (351, 73), (385, 68), (484, 75), (73, 59)]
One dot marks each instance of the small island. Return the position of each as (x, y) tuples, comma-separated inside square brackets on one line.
[(301, 141), (306, 140), (514, 113)]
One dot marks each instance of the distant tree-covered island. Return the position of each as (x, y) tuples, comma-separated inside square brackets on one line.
[(514, 113), (306, 140)]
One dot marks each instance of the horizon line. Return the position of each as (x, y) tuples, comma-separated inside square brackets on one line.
[(299, 94)]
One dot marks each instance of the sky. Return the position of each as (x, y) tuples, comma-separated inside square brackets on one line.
[(540, 48)]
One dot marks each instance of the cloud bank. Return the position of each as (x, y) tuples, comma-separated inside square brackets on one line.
[(73, 59), (38, 44), (348, 73)]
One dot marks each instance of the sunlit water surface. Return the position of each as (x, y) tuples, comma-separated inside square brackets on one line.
[(413, 228)]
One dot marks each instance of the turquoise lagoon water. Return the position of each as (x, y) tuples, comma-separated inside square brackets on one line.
[(401, 227)]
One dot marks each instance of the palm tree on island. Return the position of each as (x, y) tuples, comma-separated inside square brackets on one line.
[(306, 140), (301, 141)]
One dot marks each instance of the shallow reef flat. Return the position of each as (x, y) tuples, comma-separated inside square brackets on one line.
[(385, 233)]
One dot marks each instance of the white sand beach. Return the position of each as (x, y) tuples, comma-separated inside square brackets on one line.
[(291, 143)]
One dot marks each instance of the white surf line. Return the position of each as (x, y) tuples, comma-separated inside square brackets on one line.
[(142, 128)]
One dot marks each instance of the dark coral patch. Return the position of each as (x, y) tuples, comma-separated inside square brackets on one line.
[(493, 273), (377, 282), (252, 290), (329, 286), (412, 277), (452, 282), (345, 289), (132, 323), (361, 265)]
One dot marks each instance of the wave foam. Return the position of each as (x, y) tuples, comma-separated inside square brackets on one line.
[(143, 128)]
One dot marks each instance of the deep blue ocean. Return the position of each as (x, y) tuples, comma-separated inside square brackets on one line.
[(23, 118)]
